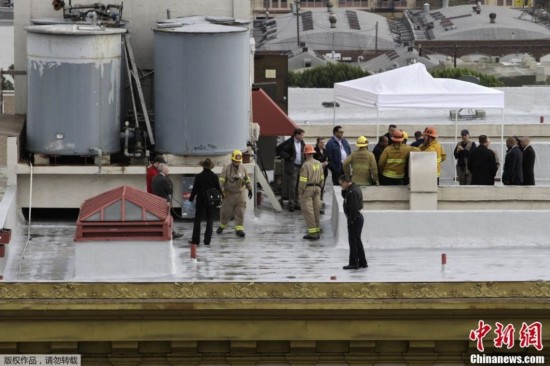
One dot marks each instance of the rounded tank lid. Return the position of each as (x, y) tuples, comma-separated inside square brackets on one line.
[(74, 29), (52, 21), (49, 21), (202, 28), (226, 20)]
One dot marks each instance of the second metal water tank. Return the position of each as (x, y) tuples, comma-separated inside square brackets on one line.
[(202, 93), (73, 89)]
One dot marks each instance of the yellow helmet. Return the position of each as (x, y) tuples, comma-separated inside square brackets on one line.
[(237, 155), (362, 141)]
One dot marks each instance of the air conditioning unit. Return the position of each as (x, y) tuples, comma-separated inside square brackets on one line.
[(480, 114)]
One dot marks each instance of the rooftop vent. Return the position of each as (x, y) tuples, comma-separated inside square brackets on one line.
[(492, 16)]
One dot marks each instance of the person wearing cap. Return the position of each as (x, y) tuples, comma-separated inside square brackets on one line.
[(461, 153), (234, 180), (353, 204), (152, 171), (431, 144), (361, 166), (393, 161), (309, 187), (203, 182)]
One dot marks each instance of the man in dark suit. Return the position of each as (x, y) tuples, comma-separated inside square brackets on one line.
[(291, 150), (512, 173), (482, 163), (338, 150), (528, 165)]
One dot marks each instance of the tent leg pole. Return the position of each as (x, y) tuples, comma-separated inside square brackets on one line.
[(333, 111), (456, 139), (502, 137), (377, 125)]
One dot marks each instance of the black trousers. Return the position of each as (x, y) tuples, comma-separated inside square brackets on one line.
[(336, 175), (385, 181), (356, 251), (201, 210)]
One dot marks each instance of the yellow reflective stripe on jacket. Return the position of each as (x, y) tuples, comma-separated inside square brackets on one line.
[(316, 167), (390, 174), (303, 179), (396, 161), (222, 181)]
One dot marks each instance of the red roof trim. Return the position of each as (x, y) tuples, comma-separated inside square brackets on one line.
[(272, 119)]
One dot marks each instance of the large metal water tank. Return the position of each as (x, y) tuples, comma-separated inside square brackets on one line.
[(202, 93), (73, 81)]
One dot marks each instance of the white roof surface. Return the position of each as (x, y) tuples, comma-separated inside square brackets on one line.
[(467, 25), (322, 37)]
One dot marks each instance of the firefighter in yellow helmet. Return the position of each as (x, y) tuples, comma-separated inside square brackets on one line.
[(361, 164), (234, 180), (431, 144), (393, 161), (309, 187)]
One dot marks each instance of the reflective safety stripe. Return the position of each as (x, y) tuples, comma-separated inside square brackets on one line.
[(438, 160), (239, 228), (391, 174), (316, 167), (247, 180), (312, 230), (317, 229), (223, 226), (303, 179), (222, 180), (361, 165), (396, 161)]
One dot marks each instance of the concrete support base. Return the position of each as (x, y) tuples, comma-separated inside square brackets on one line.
[(423, 201)]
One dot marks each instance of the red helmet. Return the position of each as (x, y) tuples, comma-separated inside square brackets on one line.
[(397, 136), (309, 150), (430, 131)]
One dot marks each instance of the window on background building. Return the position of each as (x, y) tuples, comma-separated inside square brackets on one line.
[(283, 4), (313, 3), (500, 2), (509, 2)]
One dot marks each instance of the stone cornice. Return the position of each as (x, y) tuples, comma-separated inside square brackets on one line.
[(276, 291)]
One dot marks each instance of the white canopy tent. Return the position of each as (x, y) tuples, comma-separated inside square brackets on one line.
[(412, 87)]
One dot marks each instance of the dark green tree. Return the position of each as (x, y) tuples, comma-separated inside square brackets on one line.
[(325, 76), (7, 84), (484, 79)]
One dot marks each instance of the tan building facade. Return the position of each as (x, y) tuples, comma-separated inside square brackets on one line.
[(269, 323)]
